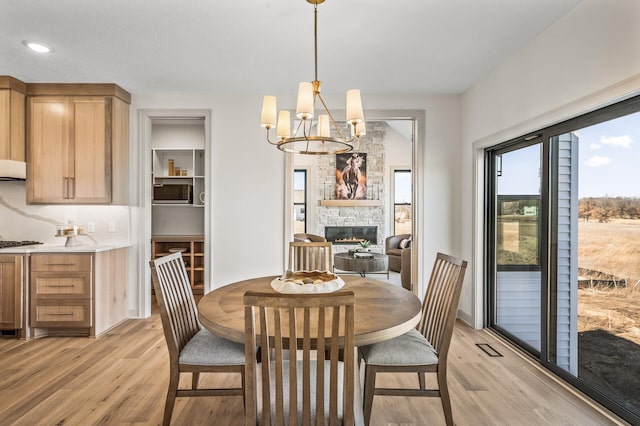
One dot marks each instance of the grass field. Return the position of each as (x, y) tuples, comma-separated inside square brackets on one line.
[(609, 317), (612, 248)]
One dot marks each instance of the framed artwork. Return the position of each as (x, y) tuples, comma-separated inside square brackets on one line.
[(351, 176)]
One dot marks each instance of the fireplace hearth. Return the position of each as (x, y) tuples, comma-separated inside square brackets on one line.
[(351, 234)]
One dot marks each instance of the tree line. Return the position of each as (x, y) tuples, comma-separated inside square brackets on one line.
[(603, 209)]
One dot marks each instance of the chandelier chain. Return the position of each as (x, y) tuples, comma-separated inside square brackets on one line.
[(315, 38)]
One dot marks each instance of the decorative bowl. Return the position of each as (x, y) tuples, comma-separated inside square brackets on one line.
[(307, 282), (363, 255)]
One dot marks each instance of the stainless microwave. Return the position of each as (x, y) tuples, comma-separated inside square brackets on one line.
[(173, 194)]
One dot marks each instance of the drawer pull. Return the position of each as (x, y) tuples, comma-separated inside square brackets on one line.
[(60, 264), (60, 314), (59, 285)]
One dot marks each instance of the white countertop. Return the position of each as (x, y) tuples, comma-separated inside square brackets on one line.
[(60, 248)]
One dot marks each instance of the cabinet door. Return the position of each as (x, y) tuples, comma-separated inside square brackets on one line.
[(91, 151), (5, 120), (48, 154), (11, 277)]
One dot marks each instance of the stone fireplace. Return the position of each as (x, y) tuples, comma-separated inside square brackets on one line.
[(355, 216), (351, 234)]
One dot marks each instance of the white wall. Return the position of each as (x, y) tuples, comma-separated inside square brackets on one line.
[(247, 179), (587, 59), (397, 155)]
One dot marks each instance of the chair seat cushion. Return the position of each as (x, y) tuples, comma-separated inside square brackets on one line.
[(205, 348), (412, 348), (357, 394)]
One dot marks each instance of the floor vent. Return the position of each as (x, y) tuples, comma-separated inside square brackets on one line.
[(488, 349)]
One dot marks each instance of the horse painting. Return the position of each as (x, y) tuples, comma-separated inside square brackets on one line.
[(351, 176)]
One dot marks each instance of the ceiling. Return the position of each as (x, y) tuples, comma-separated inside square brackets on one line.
[(266, 46)]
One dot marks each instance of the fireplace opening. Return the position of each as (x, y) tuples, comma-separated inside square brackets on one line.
[(351, 234)]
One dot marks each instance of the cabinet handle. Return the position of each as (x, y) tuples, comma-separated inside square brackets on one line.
[(65, 188), (72, 180), (59, 285), (60, 264), (60, 314)]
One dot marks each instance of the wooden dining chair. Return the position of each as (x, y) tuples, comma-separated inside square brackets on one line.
[(424, 349), (191, 348), (301, 386), (310, 256)]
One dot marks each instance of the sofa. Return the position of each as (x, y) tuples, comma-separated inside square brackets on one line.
[(394, 250)]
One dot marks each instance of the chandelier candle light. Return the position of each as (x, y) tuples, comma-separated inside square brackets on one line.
[(302, 141)]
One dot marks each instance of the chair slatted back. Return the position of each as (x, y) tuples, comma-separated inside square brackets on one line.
[(441, 302), (319, 324), (178, 309), (314, 256)]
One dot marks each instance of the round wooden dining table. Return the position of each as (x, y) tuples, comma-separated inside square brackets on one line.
[(382, 310)]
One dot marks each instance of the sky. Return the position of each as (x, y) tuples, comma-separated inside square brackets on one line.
[(610, 158), (609, 162)]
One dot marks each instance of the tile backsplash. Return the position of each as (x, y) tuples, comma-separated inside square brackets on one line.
[(19, 221)]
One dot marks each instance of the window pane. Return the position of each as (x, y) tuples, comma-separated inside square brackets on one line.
[(402, 201), (402, 189), (300, 201), (518, 206), (403, 219), (299, 186), (300, 219), (598, 291), (517, 223), (518, 230)]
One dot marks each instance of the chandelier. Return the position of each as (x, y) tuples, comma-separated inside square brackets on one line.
[(302, 141)]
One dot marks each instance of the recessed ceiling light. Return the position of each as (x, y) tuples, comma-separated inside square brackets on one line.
[(38, 47)]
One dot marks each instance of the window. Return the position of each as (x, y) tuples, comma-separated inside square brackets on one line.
[(563, 249), (300, 200), (402, 216)]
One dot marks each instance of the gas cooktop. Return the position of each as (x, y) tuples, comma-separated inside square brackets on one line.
[(8, 244)]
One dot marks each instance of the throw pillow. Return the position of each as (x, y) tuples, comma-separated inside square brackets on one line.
[(404, 243)]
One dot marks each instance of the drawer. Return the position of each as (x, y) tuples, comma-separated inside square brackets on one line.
[(61, 262), (61, 284), (49, 313)]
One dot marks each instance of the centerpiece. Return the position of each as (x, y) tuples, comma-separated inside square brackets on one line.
[(307, 282)]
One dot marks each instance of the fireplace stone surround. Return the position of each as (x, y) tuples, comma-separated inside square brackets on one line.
[(373, 144)]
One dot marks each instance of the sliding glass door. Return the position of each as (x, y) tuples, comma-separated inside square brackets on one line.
[(563, 250), (598, 258), (516, 270)]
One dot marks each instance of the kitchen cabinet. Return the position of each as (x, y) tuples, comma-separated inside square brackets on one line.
[(12, 283), (78, 146), (12, 119), (79, 293), (192, 248), (61, 290)]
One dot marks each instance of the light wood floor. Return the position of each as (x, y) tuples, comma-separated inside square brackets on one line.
[(121, 378)]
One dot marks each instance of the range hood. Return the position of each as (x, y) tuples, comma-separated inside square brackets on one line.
[(13, 170)]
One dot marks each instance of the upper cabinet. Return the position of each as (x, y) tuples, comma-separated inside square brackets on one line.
[(12, 119), (77, 144)]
